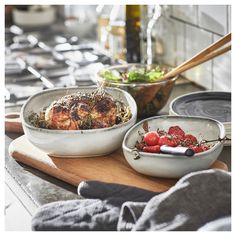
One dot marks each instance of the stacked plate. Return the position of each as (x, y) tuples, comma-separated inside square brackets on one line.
[(211, 104)]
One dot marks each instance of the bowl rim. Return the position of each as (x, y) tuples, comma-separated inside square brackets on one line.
[(55, 131), (97, 76), (171, 110), (169, 156)]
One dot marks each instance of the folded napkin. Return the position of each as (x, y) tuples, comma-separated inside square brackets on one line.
[(199, 201), (99, 211)]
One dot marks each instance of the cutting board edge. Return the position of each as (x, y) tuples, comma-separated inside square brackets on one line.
[(39, 165), (65, 176)]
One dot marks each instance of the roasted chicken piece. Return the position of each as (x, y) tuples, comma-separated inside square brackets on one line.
[(76, 111), (103, 114)]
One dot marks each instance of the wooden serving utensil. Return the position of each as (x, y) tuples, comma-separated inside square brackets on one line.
[(206, 54)]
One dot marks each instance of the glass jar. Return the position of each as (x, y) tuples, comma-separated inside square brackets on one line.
[(103, 23), (117, 33)]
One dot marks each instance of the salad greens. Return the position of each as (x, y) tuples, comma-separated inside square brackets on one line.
[(134, 75), (109, 76)]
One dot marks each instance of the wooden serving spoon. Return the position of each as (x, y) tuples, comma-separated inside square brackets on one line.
[(206, 54)]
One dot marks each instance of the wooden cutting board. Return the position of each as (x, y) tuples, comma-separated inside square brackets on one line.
[(13, 123), (112, 168)]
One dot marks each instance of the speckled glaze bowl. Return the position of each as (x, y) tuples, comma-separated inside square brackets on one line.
[(150, 97), (75, 143), (173, 166)]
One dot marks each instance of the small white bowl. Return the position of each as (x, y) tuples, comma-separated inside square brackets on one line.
[(173, 166), (75, 143)]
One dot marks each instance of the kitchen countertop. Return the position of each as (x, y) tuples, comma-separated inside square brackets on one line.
[(32, 188)]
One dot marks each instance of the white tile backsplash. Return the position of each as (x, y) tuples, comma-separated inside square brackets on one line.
[(213, 18), (165, 41), (179, 53), (222, 71), (193, 28), (196, 40), (186, 13)]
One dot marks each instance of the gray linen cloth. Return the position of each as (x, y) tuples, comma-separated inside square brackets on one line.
[(99, 211), (199, 201)]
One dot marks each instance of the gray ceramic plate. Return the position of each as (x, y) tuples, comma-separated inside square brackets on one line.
[(210, 104)]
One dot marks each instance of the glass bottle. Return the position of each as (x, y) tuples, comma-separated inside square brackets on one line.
[(103, 23), (117, 33), (132, 30)]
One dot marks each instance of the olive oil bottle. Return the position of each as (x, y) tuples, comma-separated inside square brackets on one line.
[(132, 31)]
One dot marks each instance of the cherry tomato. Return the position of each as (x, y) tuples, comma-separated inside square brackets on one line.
[(151, 138), (189, 139), (153, 149), (176, 131), (178, 140), (196, 149), (167, 140), (152, 141)]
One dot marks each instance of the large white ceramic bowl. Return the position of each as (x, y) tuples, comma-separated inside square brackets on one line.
[(173, 166), (75, 143)]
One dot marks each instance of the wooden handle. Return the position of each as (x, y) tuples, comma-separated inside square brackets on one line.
[(188, 66), (206, 54), (13, 123)]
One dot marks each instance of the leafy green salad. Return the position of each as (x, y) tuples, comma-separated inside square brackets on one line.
[(141, 75)]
